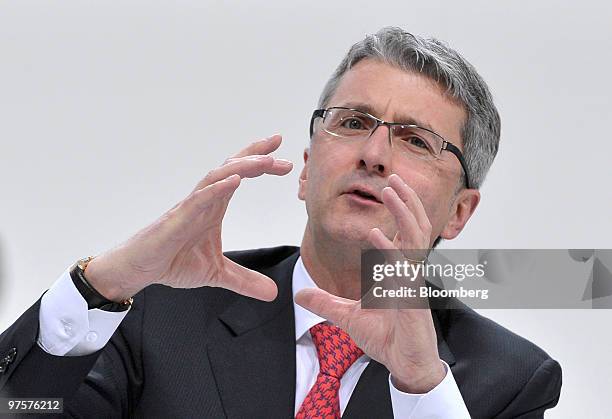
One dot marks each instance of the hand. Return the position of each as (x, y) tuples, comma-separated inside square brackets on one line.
[(182, 248), (404, 340)]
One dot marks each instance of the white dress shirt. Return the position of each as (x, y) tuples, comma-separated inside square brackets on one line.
[(67, 328)]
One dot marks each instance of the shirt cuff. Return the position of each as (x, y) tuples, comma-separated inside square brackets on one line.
[(443, 401), (67, 327)]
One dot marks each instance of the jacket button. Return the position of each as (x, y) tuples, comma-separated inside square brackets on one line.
[(7, 360), (12, 354)]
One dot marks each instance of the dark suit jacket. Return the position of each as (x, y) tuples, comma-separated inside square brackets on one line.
[(211, 353)]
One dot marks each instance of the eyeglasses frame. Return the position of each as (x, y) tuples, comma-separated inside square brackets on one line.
[(446, 145)]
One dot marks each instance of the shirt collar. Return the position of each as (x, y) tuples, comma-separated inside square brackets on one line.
[(304, 319)]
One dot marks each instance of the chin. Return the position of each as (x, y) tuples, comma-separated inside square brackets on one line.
[(345, 225), (350, 230)]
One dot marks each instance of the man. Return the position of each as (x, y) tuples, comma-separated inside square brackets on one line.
[(280, 332)]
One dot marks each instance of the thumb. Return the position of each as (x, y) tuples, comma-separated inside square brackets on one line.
[(322, 303), (248, 282)]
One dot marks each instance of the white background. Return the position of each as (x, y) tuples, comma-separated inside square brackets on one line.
[(111, 111)]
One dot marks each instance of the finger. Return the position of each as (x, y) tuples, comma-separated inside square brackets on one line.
[(177, 223), (390, 252), (331, 307), (281, 167), (247, 282), (391, 255), (412, 200), (278, 167), (264, 146), (381, 242), (247, 167), (199, 200), (405, 219)]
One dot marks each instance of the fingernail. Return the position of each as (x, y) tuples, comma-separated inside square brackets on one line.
[(285, 162), (272, 136)]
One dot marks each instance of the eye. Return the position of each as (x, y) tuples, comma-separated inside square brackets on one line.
[(416, 142), (412, 139), (352, 123)]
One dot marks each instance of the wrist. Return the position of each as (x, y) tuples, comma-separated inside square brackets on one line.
[(101, 277), (420, 381)]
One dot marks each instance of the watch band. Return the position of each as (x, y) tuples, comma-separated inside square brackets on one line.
[(93, 298)]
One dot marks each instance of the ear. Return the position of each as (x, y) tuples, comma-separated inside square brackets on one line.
[(303, 177), (461, 210)]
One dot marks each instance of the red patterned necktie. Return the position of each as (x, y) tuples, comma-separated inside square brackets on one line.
[(337, 352)]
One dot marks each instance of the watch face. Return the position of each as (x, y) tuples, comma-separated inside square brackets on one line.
[(82, 264)]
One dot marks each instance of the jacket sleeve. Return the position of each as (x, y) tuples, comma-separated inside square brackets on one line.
[(541, 392), (106, 383)]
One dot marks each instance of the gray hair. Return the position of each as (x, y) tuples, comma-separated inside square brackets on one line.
[(437, 61)]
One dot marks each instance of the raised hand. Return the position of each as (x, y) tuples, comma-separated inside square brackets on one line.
[(183, 248), (404, 340)]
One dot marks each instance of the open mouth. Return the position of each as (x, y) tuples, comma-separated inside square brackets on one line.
[(362, 195)]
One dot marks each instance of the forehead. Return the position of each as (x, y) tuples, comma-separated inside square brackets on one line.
[(396, 95)]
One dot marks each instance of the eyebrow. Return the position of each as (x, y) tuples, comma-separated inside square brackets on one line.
[(408, 120)]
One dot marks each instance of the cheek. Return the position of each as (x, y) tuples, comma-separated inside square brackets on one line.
[(430, 182), (420, 179), (327, 162), (317, 185), (437, 205), (330, 156), (433, 193)]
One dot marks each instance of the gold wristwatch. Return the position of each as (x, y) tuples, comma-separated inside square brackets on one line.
[(93, 298)]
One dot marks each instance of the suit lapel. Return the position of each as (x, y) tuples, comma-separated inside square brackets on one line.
[(253, 360), (371, 397)]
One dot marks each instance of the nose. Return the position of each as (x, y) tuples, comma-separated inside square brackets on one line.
[(375, 152)]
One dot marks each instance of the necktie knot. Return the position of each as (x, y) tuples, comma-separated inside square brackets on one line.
[(335, 349)]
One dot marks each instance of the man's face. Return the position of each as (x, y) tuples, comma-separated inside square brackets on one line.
[(335, 167)]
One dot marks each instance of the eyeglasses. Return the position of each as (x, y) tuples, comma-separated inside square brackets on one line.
[(411, 140)]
